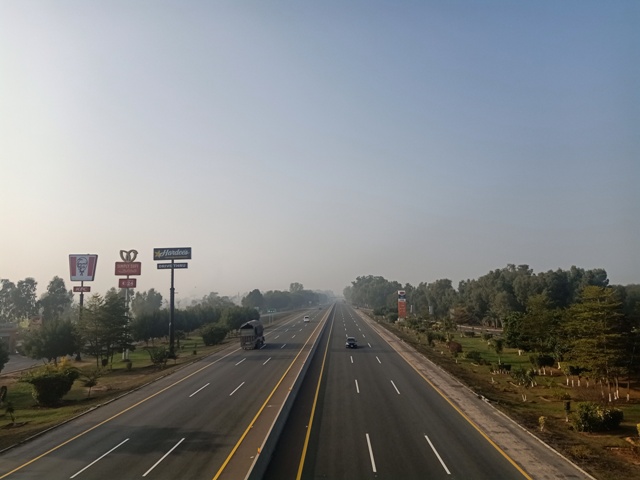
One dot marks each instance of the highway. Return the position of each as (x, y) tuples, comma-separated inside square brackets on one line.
[(365, 413), (185, 425)]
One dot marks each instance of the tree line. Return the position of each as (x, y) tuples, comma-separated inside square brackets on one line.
[(104, 325), (570, 318)]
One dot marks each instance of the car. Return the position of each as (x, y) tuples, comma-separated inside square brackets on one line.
[(306, 318), (351, 343)]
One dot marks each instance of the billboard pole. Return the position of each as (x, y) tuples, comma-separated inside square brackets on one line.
[(172, 353), (181, 253)]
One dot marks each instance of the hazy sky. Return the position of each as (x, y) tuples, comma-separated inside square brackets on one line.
[(314, 142)]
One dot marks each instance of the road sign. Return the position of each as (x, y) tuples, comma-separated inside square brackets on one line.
[(128, 268), (81, 289), (181, 253), (126, 283), (168, 266)]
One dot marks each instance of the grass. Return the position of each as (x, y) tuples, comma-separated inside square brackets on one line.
[(606, 456), (31, 419)]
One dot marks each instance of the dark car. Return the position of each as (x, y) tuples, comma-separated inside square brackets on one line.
[(351, 343)]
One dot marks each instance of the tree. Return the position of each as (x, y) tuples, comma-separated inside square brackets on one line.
[(253, 300), (104, 328), (7, 296), (53, 339), (25, 299), (4, 354), (596, 333), (145, 303), (295, 287), (56, 300)]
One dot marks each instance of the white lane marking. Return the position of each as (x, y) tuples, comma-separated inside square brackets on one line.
[(277, 337), (163, 457), (201, 388), (438, 455), (241, 361), (98, 459), (237, 388), (378, 359), (267, 361), (364, 336), (369, 345), (263, 345), (373, 462), (394, 386), (357, 387), (284, 345), (351, 358), (293, 337)]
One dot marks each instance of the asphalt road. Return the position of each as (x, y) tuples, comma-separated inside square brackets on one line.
[(366, 413), (185, 426)]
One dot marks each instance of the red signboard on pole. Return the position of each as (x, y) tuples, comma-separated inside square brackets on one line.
[(81, 289), (126, 283), (128, 268)]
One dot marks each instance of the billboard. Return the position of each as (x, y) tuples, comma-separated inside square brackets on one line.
[(128, 268), (82, 267), (182, 253), (402, 304)]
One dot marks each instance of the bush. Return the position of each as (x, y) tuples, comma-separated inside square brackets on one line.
[(158, 355), (473, 355), (51, 383), (469, 333), (213, 333), (591, 417)]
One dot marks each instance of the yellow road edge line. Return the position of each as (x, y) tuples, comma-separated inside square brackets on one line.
[(112, 417), (313, 409), (471, 422), (246, 432)]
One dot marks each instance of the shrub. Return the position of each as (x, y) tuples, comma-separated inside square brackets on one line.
[(473, 355), (158, 355), (51, 383), (213, 333), (469, 333), (591, 417)]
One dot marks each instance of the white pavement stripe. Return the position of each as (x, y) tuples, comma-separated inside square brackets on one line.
[(98, 459), (438, 455), (267, 361), (394, 386), (378, 360), (373, 462), (201, 388), (283, 345), (357, 387), (241, 361), (163, 457), (237, 388), (351, 358)]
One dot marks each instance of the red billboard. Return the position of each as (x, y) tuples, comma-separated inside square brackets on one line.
[(402, 304), (127, 283), (82, 267), (81, 289), (128, 268)]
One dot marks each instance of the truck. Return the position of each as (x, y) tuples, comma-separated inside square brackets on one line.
[(252, 335)]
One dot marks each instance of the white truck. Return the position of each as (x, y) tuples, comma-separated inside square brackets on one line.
[(252, 335)]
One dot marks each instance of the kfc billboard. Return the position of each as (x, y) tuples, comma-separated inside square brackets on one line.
[(82, 267)]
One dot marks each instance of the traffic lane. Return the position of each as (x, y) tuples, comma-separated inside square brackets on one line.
[(427, 421), (352, 432), (147, 431), (161, 409), (400, 439)]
